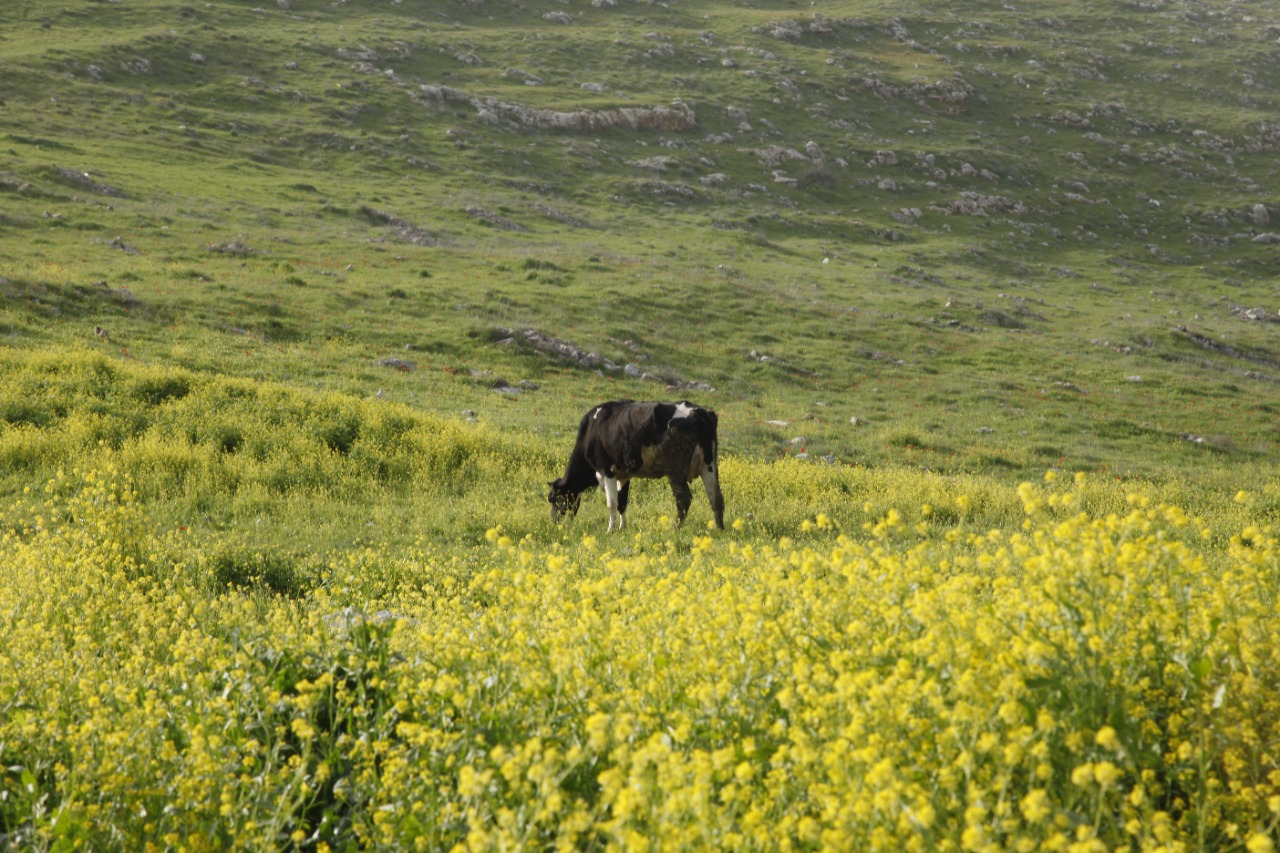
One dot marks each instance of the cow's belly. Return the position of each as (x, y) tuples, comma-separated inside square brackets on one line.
[(662, 460)]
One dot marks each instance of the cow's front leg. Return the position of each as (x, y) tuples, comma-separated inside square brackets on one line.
[(610, 486)]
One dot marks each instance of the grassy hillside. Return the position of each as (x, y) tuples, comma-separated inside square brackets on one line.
[(1001, 239)]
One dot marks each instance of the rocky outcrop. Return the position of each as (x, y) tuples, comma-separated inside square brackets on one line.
[(677, 117), (404, 230)]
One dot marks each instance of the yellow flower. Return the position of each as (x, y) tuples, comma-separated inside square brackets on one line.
[(1106, 774), (472, 783), (1259, 843), (1035, 806)]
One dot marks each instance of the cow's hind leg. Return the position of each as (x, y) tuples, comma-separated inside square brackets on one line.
[(624, 496), (711, 482), (684, 497)]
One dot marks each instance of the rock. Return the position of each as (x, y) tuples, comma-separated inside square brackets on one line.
[(397, 364), (552, 213), (658, 164), (785, 30), (358, 54), (1262, 314), (775, 155), (502, 386), (523, 76), (495, 220), (675, 118), (235, 247), (406, 231), (86, 181)]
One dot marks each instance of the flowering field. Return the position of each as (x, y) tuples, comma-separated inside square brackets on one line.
[(1074, 680), (301, 302)]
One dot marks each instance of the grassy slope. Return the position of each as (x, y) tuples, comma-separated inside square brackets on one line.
[(234, 216)]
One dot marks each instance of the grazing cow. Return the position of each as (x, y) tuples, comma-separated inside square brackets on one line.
[(620, 441)]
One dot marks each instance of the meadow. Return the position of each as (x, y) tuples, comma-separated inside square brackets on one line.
[(867, 659), (300, 304)]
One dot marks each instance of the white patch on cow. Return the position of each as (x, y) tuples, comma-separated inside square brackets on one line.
[(597, 412), (683, 410)]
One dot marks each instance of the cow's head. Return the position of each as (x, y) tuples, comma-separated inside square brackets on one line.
[(564, 501)]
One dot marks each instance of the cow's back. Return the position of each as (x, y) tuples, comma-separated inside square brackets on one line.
[(612, 431), (646, 439)]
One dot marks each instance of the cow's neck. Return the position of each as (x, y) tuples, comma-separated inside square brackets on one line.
[(579, 475)]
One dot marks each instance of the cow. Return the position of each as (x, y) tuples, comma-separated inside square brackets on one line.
[(622, 440)]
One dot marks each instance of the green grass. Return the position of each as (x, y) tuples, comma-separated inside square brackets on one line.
[(253, 200)]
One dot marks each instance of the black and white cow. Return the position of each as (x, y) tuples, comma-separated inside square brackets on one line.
[(623, 440)]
